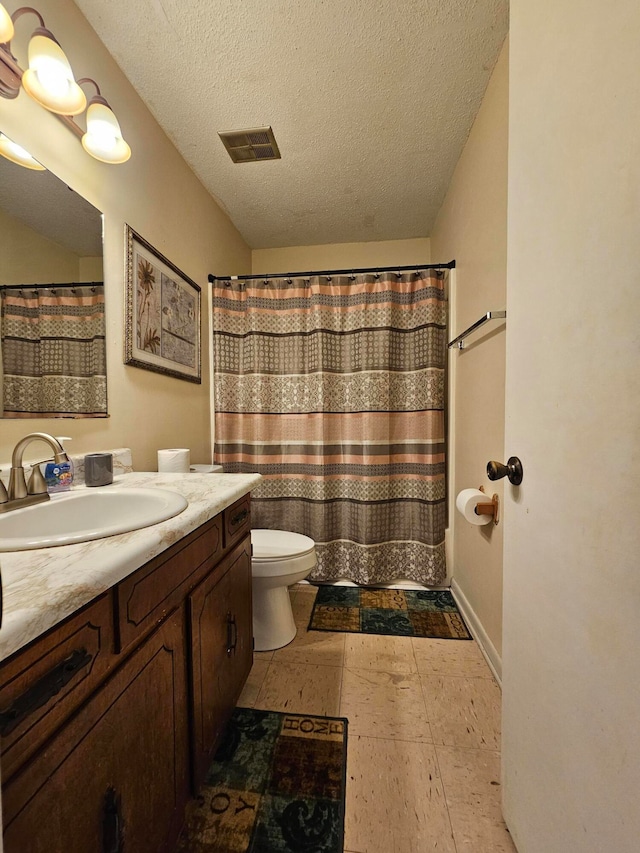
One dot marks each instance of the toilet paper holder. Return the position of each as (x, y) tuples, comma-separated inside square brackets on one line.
[(489, 508)]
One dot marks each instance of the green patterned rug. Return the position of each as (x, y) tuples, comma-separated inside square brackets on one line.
[(277, 785), (396, 612)]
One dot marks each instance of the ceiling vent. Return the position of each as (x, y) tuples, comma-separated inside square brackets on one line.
[(249, 146)]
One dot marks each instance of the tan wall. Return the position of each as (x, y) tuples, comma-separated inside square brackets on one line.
[(155, 193), (90, 269), (29, 258), (342, 256), (471, 227)]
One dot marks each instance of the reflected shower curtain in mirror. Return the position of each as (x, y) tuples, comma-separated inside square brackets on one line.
[(333, 388), (53, 361)]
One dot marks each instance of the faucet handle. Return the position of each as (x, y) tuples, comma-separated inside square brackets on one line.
[(4, 497), (37, 484)]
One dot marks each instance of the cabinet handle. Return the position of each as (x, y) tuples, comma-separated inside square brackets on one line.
[(234, 626), (43, 690), (112, 823), (229, 634), (239, 517)]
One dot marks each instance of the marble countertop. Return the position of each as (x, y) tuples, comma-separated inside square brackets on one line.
[(42, 587)]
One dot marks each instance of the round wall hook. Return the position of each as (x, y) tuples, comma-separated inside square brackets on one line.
[(512, 470)]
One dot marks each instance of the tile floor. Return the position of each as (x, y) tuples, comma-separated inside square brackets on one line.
[(423, 766)]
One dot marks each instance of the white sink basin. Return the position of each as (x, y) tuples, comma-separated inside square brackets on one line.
[(86, 514)]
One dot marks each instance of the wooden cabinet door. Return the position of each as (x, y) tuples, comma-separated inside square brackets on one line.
[(115, 778), (242, 615), (221, 640)]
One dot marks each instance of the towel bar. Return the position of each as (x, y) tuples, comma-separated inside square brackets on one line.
[(490, 315)]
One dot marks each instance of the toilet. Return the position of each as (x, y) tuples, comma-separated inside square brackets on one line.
[(279, 559)]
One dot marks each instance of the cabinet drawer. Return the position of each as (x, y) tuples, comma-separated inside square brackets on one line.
[(237, 521), (149, 594), (42, 686)]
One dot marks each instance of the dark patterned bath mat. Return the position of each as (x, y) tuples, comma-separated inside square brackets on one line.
[(397, 612), (276, 785)]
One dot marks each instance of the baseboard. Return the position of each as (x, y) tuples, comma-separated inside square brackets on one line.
[(479, 634)]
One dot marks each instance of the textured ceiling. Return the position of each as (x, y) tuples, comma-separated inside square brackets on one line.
[(371, 102), (50, 207)]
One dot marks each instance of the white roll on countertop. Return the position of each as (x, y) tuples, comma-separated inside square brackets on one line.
[(174, 460)]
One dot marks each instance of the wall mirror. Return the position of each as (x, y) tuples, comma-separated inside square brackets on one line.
[(52, 329)]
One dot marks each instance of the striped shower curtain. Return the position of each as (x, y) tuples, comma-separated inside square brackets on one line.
[(333, 388), (53, 351)]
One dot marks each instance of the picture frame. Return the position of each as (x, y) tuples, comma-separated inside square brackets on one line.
[(162, 314)]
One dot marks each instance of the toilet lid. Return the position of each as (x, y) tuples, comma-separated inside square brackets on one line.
[(278, 544)]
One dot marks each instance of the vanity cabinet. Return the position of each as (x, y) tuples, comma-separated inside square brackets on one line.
[(109, 721), (115, 777)]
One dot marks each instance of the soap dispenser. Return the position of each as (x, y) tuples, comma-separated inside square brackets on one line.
[(58, 475)]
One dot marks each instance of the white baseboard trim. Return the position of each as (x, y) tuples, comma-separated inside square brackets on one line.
[(477, 629)]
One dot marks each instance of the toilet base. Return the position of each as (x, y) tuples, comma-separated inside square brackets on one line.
[(273, 622)]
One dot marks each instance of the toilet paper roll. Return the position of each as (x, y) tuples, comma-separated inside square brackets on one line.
[(466, 503), (175, 460)]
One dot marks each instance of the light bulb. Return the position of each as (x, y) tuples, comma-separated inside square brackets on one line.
[(49, 78), (17, 154), (53, 76), (103, 133)]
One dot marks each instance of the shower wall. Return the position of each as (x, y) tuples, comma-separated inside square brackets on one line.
[(342, 256), (472, 228)]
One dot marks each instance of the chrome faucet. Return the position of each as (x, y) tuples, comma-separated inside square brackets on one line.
[(20, 494)]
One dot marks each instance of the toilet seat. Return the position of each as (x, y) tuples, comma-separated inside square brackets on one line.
[(278, 553), (279, 544)]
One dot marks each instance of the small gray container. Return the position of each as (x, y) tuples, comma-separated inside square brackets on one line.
[(98, 469)]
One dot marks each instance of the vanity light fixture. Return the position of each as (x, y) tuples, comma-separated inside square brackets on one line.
[(49, 78), (18, 154), (103, 139), (6, 26), (50, 82)]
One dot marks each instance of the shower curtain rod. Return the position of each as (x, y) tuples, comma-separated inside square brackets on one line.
[(451, 265), (50, 286)]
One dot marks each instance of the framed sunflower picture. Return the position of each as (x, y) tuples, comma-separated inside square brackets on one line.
[(162, 321)]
